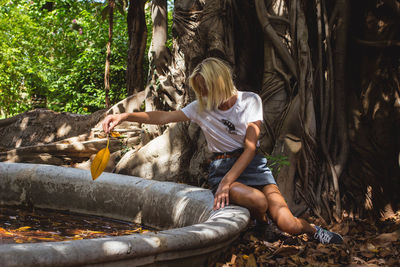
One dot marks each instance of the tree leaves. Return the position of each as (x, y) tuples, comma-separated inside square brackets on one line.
[(68, 68), (100, 161)]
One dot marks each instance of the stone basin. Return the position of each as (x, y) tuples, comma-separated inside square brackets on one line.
[(191, 233)]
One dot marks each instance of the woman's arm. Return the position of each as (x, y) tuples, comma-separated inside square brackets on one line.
[(221, 197), (151, 117)]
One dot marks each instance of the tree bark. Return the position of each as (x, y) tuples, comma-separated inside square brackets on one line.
[(111, 5), (137, 32), (159, 54)]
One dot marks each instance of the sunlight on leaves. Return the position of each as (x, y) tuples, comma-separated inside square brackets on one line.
[(100, 161)]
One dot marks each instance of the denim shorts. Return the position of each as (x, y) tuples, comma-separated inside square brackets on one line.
[(257, 173)]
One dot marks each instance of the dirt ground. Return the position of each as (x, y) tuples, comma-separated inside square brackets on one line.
[(366, 244)]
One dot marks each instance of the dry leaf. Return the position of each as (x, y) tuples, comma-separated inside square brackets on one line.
[(100, 162), (233, 259), (372, 248), (285, 251), (376, 262), (5, 232), (94, 232), (298, 260), (252, 238), (345, 229), (387, 237), (115, 134), (25, 228), (367, 255), (385, 252), (240, 261), (251, 262), (392, 261)]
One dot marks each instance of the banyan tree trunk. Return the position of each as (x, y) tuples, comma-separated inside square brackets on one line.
[(111, 4), (137, 32), (371, 182)]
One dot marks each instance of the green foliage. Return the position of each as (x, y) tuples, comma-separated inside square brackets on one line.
[(275, 163), (57, 50), (170, 20), (15, 77)]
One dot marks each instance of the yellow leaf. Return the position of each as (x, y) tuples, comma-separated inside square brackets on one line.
[(137, 230), (115, 134), (23, 228), (100, 162), (101, 135), (95, 232), (372, 248), (5, 232)]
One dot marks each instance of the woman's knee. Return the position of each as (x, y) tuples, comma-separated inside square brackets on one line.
[(250, 198), (260, 203)]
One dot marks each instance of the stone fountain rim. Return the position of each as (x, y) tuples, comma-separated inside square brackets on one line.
[(218, 231)]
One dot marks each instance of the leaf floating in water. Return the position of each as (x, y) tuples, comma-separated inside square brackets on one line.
[(5, 232), (100, 162), (51, 226), (25, 228)]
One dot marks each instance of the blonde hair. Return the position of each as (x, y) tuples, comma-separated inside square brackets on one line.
[(218, 82)]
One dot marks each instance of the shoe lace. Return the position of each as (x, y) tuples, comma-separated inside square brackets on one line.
[(323, 236)]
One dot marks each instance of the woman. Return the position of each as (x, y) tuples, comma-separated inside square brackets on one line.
[(231, 120)]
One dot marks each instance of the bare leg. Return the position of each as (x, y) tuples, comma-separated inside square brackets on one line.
[(251, 198), (281, 215)]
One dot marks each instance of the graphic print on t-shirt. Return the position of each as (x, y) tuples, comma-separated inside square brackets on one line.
[(230, 126)]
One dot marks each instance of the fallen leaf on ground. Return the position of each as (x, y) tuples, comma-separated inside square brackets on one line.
[(372, 248), (388, 237), (251, 262), (286, 251)]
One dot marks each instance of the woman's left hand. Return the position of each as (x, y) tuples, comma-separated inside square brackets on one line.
[(221, 198)]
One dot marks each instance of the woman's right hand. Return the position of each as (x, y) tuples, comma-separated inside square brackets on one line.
[(221, 197), (111, 121)]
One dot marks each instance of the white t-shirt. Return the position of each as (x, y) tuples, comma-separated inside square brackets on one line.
[(225, 130)]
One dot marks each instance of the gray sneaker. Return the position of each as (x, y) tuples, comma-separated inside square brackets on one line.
[(327, 237)]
